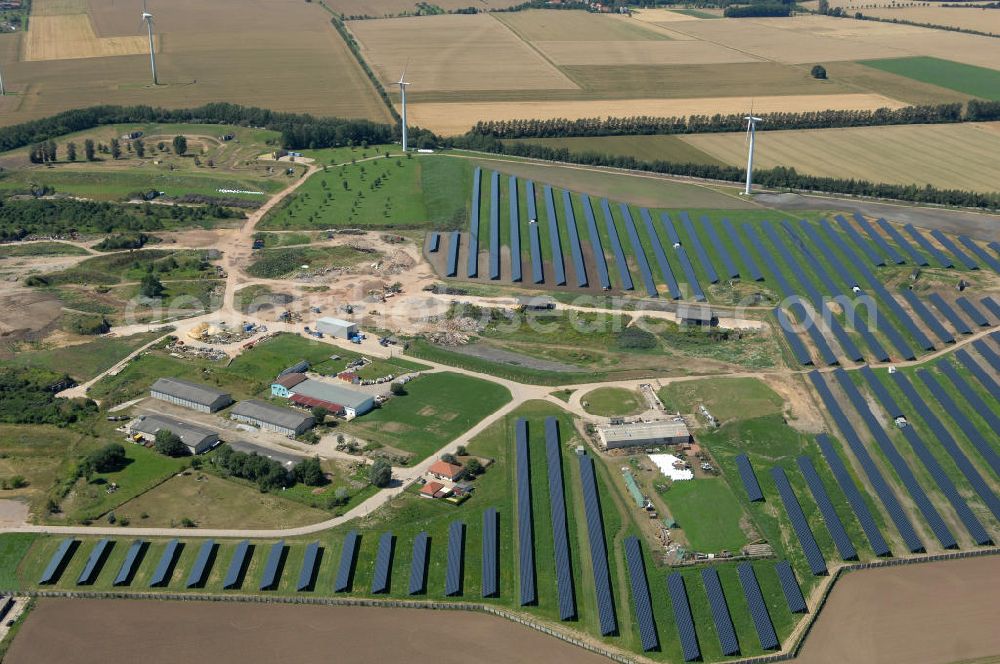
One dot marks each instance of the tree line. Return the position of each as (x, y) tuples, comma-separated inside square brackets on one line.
[(775, 178), (974, 111), (298, 131)]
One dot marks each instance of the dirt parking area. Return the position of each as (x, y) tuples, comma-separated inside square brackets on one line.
[(932, 613), (99, 631)]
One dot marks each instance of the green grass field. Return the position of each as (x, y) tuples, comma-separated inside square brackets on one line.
[(611, 401), (708, 513), (725, 398), (13, 546), (437, 408), (969, 79), (83, 361)]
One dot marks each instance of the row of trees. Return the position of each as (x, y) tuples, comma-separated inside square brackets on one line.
[(298, 131), (974, 111), (777, 178), (757, 9)]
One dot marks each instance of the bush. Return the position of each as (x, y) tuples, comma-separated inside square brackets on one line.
[(398, 389), (169, 444), (310, 472), (634, 338), (108, 459), (86, 325), (818, 71), (380, 473)]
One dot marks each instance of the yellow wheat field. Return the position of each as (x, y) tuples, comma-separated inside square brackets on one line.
[(450, 119), (909, 154), (71, 36)]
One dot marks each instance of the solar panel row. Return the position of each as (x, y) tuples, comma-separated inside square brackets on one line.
[(977, 370), (273, 566), (473, 260), (896, 460), (495, 225), (199, 571), (886, 248), (383, 563), (980, 253), (788, 330), (897, 237), (557, 510), (987, 354), (534, 239), (525, 518), (946, 242), (732, 271), (930, 320), (58, 561), (95, 561), (749, 478), (574, 241), (554, 240), (970, 395), (165, 567), (758, 609), (345, 569), (699, 249), (491, 553), (790, 587), (878, 482), (640, 595), (660, 254), (799, 523), (720, 612), (515, 230), (598, 547), (748, 260), (638, 252), (616, 246), (972, 312), (859, 241), (808, 320), (418, 563), (925, 244), (830, 517), (453, 246), (682, 617), (875, 538), (682, 256), (949, 406), (307, 573), (947, 441), (595, 243), (456, 559), (237, 566), (132, 558), (434, 242), (992, 305)]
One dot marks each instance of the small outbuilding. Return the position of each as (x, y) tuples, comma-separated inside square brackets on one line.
[(190, 395), (269, 417), (196, 438), (695, 314), (336, 327)]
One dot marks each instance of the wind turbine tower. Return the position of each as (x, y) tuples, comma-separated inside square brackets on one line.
[(752, 121), (148, 19), (2, 91), (402, 97)]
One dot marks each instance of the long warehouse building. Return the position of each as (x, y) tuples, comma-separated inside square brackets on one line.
[(190, 395), (285, 421)]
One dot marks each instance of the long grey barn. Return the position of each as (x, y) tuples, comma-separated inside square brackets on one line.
[(190, 395), (196, 438), (272, 418)]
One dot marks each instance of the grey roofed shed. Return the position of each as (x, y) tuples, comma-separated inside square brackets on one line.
[(197, 439), (696, 315), (344, 396), (272, 417), (180, 390)]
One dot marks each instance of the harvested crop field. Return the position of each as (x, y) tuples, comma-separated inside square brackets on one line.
[(70, 36), (899, 154), (688, 52), (965, 17), (456, 118), (218, 51), (932, 613), (378, 8), (100, 631), (455, 52), (540, 25)]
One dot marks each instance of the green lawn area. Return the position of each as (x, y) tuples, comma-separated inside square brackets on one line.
[(272, 240), (41, 249), (611, 401), (708, 513), (13, 547), (438, 407), (109, 269), (82, 361), (726, 398), (976, 81)]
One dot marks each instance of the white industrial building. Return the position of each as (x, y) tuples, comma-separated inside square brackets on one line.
[(196, 438), (644, 434), (261, 414), (190, 395), (335, 327)]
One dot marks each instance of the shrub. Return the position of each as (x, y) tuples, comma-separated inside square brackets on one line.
[(634, 338), (818, 71)]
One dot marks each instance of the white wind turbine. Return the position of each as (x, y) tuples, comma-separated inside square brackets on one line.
[(752, 121), (402, 96), (2, 91), (148, 19)]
